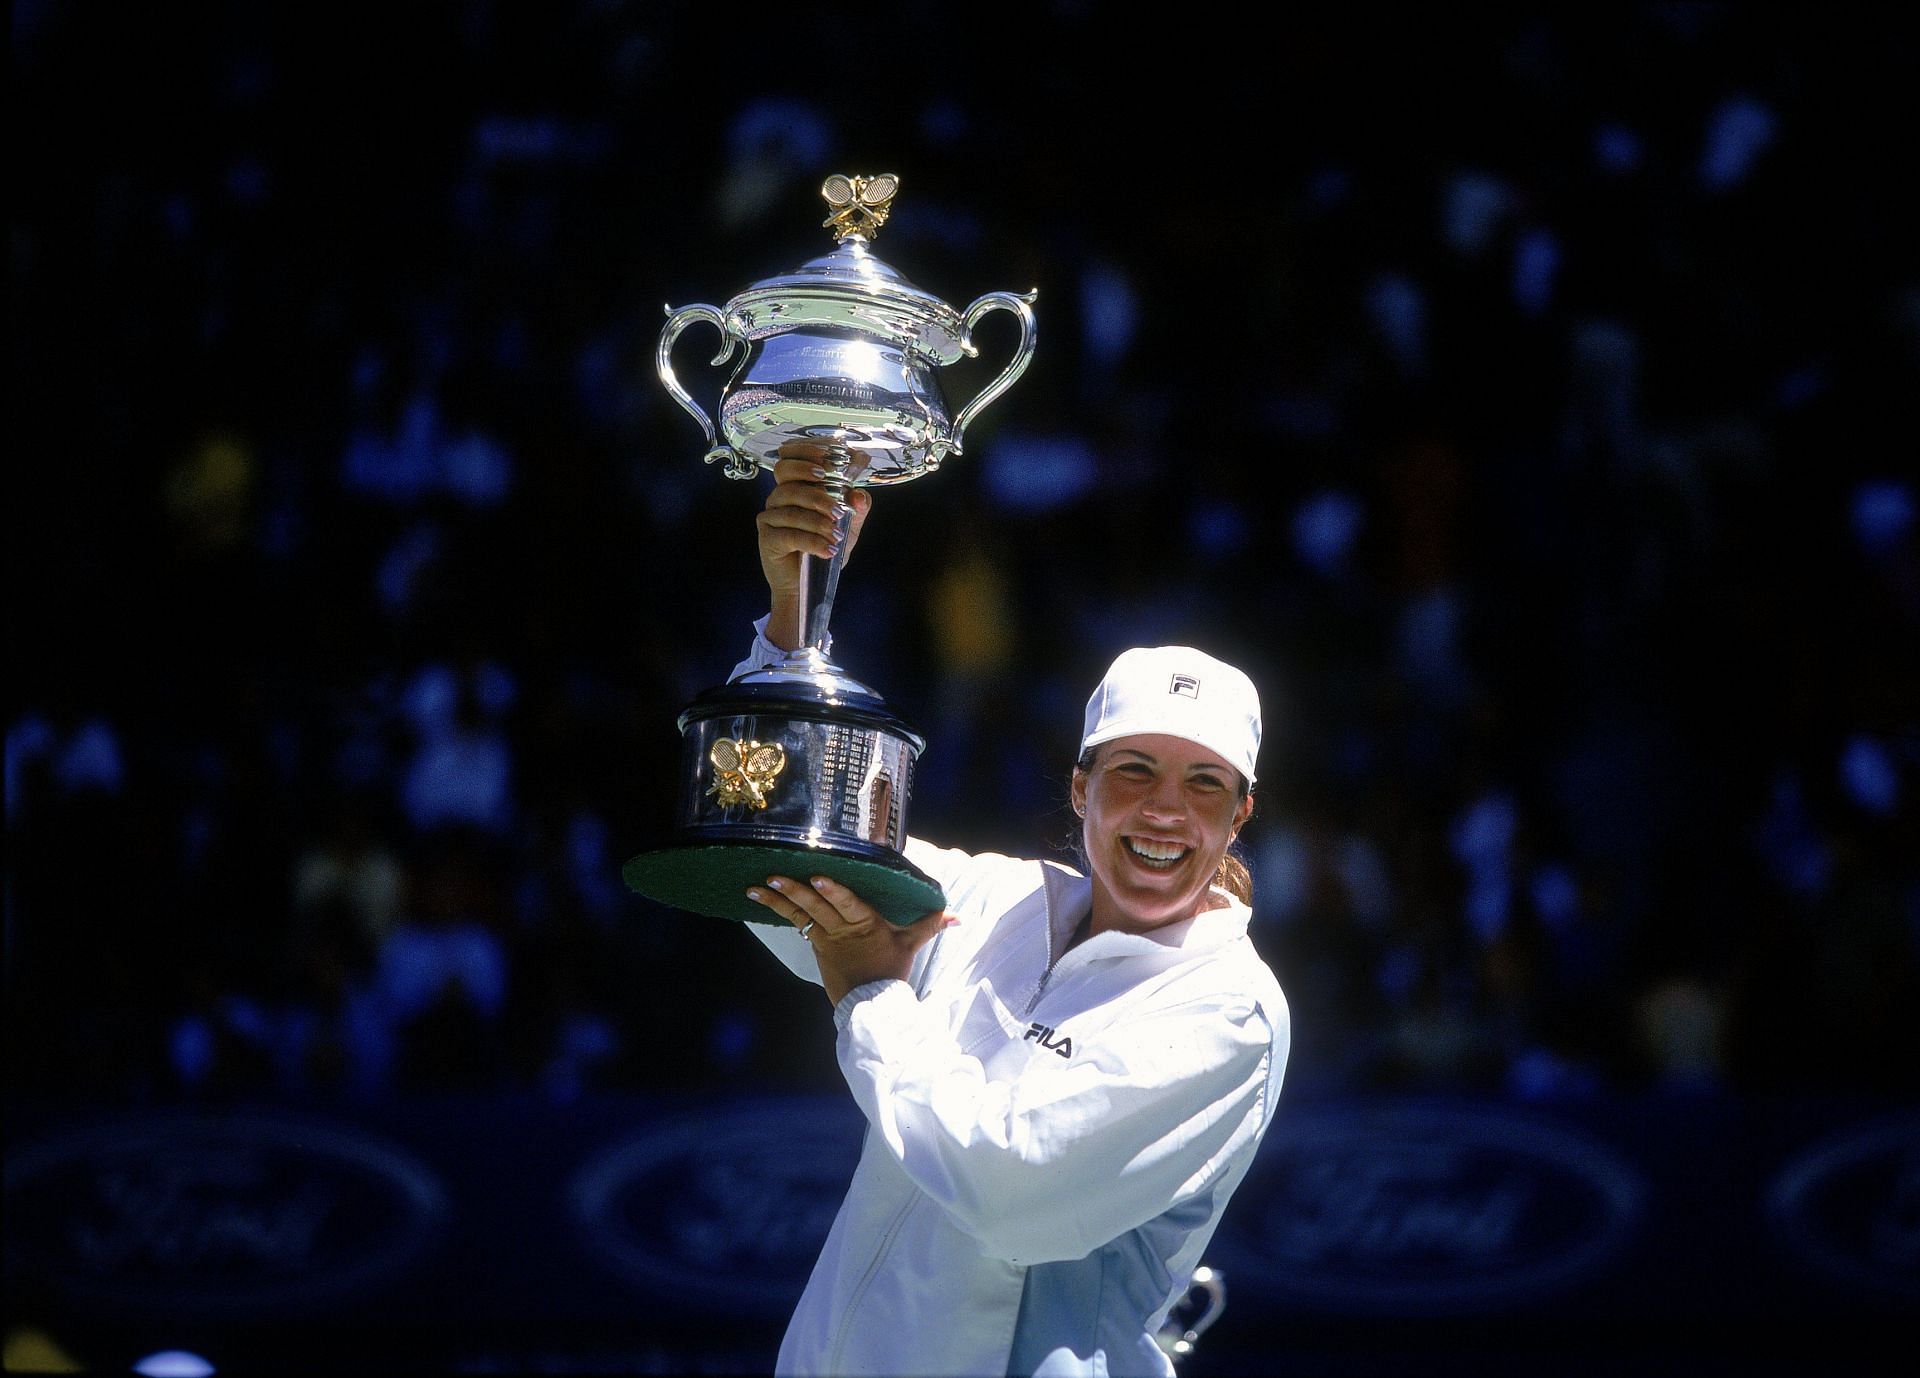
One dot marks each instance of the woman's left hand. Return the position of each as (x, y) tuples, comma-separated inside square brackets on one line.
[(851, 942)]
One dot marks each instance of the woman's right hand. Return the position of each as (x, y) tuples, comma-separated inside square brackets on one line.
[(800, 518)]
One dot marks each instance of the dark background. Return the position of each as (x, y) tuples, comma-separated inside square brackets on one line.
[(1525, 399)]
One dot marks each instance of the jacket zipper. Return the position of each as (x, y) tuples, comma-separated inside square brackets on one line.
[(1038, 990), (1052, 961), (1047, 972)]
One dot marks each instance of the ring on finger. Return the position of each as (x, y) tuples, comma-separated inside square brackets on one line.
[(811, 925)]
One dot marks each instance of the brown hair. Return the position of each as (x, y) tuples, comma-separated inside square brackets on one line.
[(1233, 875)]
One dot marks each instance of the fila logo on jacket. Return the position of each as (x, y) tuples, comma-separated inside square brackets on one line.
[(1062, 1045)]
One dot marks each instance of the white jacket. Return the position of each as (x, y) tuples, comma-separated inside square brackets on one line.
[(1050, 1141)]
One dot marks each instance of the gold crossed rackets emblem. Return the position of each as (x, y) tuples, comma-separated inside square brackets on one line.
[(745, 771), (858, 205)]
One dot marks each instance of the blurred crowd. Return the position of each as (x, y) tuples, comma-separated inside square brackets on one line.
[(1523, 400)]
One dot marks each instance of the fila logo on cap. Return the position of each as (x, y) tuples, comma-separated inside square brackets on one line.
[(1157, 689)]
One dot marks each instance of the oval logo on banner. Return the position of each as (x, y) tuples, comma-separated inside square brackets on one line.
[(1850, 1207), (727, 1208), (216, 1212), (1425, 1207)]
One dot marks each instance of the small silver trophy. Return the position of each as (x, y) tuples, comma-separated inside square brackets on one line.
[(1206, 1289), (800, 769)]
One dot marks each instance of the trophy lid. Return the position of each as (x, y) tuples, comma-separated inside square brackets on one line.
[(851, 288)]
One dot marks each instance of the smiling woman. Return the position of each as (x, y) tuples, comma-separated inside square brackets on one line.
[(1160, 815), (1180, 731), (1065, 1074)]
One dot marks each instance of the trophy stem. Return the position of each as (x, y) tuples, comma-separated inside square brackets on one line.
[(820, 579), (808, 666)]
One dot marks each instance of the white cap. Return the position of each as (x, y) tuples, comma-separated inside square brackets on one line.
[(1180, 692)]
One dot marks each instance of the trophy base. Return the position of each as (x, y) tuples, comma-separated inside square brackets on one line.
[(793, 771), (710, 876)]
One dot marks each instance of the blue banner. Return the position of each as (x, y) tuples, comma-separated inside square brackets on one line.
[(649, 1236)]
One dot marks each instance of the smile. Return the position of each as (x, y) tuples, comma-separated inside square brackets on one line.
[(1156, 856)]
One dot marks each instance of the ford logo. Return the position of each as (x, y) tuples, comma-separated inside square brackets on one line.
[(1850, 1207), (217, 1212), (728, 1209), (1422, 1207)]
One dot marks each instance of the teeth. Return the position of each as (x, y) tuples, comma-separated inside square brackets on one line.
[(1157, 853)]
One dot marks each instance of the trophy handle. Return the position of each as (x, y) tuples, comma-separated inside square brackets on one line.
[(1206, 1282), (1019, 304), (738, 465)]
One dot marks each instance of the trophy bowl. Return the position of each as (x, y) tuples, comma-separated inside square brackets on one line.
[(842, 355), (796, 768)]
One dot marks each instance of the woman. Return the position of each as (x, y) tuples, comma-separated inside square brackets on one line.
[(1065, 1076)]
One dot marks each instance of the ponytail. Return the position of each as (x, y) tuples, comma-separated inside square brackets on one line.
[(1234, 877)]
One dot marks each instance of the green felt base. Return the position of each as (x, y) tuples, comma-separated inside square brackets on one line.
[(713, 878)]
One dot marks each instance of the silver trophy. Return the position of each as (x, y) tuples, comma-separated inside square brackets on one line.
[(800, 769), (1180, 1333)]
